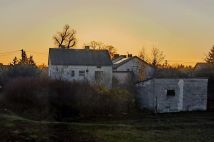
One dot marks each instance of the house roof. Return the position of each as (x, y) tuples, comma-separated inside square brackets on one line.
[(201, 66), (149, 79), (125, 60), (3, 66), (87, 57), (115, 59)]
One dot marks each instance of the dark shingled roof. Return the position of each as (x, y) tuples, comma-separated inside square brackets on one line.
[(87, 57), (121, 62), (199, 66)]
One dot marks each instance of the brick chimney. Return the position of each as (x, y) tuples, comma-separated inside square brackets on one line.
[(129, 55), (87, 47), (116, 55)]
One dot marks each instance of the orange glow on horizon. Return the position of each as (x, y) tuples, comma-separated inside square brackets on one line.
[(183, 30)]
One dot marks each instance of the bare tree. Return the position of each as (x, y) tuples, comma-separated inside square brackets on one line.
[(157, 56), (71, 40), (101, 46), (143, 55), (111, 49), (66, 38), (96, 45), (93, 44)]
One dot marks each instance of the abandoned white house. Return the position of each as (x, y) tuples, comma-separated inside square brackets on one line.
[(131, 67), (172, 95), (94, 66)]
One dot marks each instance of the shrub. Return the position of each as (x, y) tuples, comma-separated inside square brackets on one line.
[(62, 98), (28, 97), (38, 98), (23, 70), (207, 73), (10, 72)]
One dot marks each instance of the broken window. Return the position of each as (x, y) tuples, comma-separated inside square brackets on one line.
[(81, 73), (72, 73), (170, 93)]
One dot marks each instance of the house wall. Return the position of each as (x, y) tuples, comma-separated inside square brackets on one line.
[(141, 70), (190, 95), (167, 103), (195, 94), (145, 97), (65, 73), (122, 77)]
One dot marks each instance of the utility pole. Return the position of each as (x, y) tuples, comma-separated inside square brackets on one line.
[(22, 51)]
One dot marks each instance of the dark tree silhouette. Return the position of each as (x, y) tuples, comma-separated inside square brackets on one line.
[(210, 57), (101, 46), (96, 45), (142, 54), (15, 61), (111, 49), (24, 59), (21, 67), (157, 56), (66, 38), (31, 60)]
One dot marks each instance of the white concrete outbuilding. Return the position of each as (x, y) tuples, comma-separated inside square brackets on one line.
[(173, 95)]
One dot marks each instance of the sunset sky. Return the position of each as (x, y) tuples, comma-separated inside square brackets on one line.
[(182, 29)]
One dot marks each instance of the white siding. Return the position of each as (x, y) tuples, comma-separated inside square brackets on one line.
[(140, 69), (190, 95), (65, 73), (122, 77)]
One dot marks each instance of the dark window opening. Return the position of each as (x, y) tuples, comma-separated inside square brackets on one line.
[(170, 93), (72, 73), (81, 73), (1, 88)]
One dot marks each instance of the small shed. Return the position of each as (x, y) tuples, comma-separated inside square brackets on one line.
[(173, 95)]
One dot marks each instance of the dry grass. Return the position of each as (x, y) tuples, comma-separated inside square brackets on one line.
[(177, 127)]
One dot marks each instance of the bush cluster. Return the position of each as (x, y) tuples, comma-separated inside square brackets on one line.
[(40, 99), (10, 72)]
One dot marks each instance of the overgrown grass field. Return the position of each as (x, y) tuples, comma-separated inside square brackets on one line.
[(145, 127)]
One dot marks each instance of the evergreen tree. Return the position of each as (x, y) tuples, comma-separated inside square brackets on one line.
[(15, 61), (24, 59), (210, 56), (31, 61)]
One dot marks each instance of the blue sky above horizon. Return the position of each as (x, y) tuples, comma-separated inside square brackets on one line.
[(183, 29)]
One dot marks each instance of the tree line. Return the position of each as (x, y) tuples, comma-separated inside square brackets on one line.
[(67, 39)]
